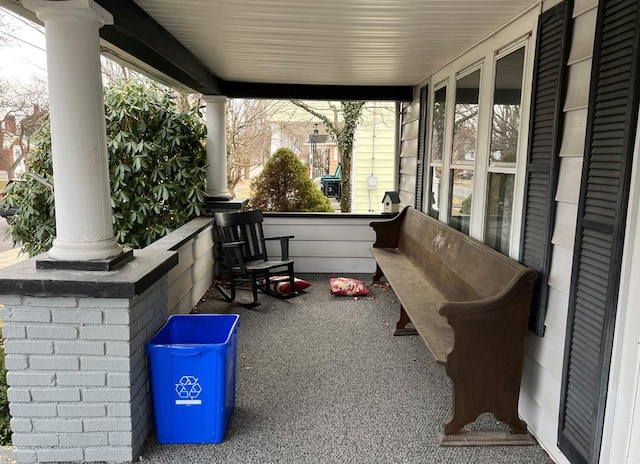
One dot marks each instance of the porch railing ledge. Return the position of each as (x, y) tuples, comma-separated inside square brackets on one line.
[(180, 236), (327, 215)]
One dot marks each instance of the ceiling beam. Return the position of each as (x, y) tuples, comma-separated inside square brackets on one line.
[(317, 92), (138, 34)]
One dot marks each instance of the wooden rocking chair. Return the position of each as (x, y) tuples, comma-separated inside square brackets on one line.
[(245, 256)]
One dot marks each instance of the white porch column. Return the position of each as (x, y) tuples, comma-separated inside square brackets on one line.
[(216, 148), (84, 229)]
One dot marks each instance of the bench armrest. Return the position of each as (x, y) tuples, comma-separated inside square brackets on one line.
[(284, 244), (521, 283), (388, 232), (491, 333)]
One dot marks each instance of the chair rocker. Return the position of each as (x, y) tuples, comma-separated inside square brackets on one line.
[(242, 242)]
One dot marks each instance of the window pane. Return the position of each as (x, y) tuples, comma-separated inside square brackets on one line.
[(461, 188), (506, 109), (499, 211), (437, 133), (465, 126), (435, 175)]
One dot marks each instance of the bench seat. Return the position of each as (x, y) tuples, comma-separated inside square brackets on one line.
[(417, 292)]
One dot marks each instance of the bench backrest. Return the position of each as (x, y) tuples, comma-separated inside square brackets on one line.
[(460, 266)]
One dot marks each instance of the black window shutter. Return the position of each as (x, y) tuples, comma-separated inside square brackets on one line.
[(600, 230), (545, 137), (422, 130)]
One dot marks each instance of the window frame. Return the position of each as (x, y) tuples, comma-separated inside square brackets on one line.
[(428, 162), (484, 56), (519, 169)]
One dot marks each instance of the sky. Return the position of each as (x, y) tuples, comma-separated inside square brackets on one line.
[(24, 56)]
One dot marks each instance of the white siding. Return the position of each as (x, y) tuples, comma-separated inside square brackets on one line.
[(569, 188), (565, 227), (375, 153), (191, 278), (542, 377), (575, 126), (325, 243)]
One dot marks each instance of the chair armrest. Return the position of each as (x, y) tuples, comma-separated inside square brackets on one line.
[(284, 245), (233, 254), (232, 244)]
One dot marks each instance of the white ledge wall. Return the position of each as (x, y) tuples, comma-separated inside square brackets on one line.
[(326, 244), (190, 279)]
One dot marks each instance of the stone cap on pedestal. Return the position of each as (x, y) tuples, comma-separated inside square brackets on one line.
[(129, 280)]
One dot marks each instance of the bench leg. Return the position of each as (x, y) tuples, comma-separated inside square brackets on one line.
[(401, 326), (458, 420), (378, 275), (512, 420), (469, 402)]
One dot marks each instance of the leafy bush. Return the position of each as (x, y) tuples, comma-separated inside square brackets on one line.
[(283, 185), (157, 164)]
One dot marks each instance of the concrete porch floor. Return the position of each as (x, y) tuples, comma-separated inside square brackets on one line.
[(320, 379)]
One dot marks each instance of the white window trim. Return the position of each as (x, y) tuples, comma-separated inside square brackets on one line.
[(427, 187), (520, 169)]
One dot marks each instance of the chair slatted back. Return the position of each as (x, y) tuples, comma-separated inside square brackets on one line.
[(245, 227)]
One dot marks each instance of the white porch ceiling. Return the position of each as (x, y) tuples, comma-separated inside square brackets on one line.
[(330, 42)]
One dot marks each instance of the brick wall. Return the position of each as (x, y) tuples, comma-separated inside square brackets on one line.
[(78, 374)]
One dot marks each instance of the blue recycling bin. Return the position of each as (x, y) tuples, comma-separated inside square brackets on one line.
[(193, 377)]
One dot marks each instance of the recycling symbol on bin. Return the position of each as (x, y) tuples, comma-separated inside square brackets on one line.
[(188, 387)]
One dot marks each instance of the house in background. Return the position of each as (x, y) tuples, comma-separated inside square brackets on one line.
[(15, 138), (373, 154), (518, 126)]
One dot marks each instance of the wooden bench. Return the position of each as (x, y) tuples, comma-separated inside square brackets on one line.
[(470, 305)]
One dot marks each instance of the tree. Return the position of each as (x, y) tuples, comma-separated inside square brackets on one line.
[(157, 166), (504, 133), (6, 27), (249, 134), (283, 185), (342, 129)]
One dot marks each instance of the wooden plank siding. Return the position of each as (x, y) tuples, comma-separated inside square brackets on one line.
[(409, 128)]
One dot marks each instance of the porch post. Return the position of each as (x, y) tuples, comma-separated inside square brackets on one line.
[(216, 189), (84, 229)]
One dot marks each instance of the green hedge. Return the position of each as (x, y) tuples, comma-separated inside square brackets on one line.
[(157, 162)]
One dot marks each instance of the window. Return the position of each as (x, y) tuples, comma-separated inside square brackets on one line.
[(463, 150), (437, 151), (503, 151)]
